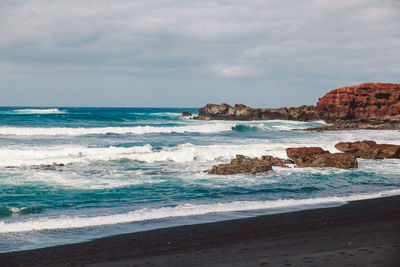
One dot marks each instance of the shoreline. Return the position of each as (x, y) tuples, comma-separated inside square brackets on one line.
[(363, 232)]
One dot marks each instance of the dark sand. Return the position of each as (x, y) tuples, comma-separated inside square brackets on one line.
[(361, 233)]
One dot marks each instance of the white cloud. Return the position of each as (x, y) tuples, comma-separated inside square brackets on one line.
[(234, 71)]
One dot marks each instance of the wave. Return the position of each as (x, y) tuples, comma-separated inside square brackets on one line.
[(145, 214), (157, 114), (245, 128), (98, 179), (275, 125), (184, 153), (9, 211), (26, 156), (36, 111), (56, 131)]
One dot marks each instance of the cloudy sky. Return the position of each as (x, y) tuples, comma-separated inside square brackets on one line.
[(264, 53)]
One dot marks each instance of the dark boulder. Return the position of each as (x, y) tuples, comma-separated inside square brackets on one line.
[(317, 157), (274, 161), (186, 114), (241, 164), (336, 160), (304, 156), (370, 149)]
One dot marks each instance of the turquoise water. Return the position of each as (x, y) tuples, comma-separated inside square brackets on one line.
[(132, 169)]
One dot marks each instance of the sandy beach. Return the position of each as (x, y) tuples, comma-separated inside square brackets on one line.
[(361, 233)]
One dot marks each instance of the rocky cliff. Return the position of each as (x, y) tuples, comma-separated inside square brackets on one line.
[(366, 106), (366, 101)]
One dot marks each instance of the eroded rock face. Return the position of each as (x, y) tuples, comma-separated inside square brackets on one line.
[(242, 112), (317, 157), (370, 149), (363, 101), (241, 164)]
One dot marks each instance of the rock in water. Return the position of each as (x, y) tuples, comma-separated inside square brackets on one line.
[(244, 113), (304, 156), (336, 160), (186, 114), (274, 161), (370, 149), (241, 164), (317, 157), (364, 101)]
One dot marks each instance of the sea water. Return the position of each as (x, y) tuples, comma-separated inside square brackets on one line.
[(134, 169)]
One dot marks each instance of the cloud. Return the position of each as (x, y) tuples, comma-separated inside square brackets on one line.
[(234, 71), (322, 43)]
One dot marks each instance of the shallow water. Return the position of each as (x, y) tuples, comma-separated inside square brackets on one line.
[(132, 169)]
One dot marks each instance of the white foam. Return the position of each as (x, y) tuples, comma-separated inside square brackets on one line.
[(25, 156), (65, 222), (103, 179), (66, 154), (16, 210), (38, 111), (54, 131)]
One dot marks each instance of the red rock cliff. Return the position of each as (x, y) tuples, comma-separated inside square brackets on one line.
[(363, 101), (377, 103)]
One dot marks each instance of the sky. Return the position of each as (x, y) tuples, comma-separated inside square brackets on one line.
[(182, 53)]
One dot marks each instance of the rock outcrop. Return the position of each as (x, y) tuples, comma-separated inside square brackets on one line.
[(317, 157), (386, 123), (274, 161), (370, 149), (304, 156), (241, 112), (241, 164), (363, 106), (361, 102), (53, 166)]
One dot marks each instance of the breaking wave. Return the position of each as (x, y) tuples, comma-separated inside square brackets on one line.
[(36, 111), (275, 125), (54, 131), (25, 156), (145, 214)]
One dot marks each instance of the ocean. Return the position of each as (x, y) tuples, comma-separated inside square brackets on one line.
[(135, 169)]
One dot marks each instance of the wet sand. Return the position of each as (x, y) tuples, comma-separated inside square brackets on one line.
[(361, 233)]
